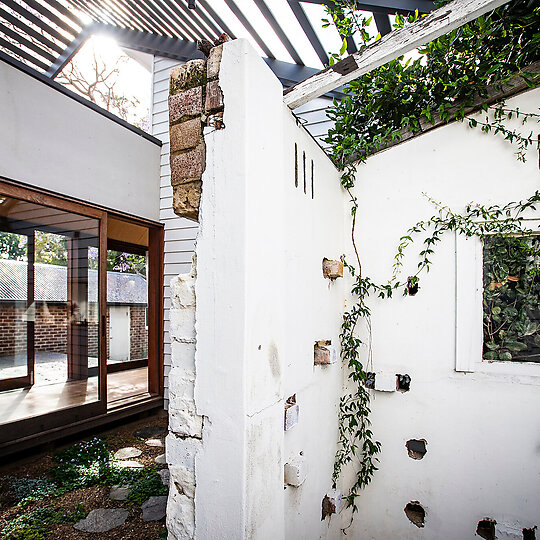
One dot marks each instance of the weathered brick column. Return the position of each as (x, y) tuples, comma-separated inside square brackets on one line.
[(195, 104), (195, 101)]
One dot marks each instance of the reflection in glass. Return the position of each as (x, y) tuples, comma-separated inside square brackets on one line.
[(48, 309)]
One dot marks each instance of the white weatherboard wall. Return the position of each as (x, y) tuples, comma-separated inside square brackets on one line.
[(52, 141), (482, 427), (261, 304), (180, 233)]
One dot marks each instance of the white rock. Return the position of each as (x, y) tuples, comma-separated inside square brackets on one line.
[(385, 382), (291, 416), (161, 459), (127, 453)]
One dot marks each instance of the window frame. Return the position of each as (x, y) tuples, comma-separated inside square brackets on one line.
[(469, 331)]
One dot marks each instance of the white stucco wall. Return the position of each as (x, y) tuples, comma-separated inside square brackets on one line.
[(261, 303), (51, 141), (482, 428)]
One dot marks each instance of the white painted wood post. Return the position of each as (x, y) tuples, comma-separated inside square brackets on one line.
[(391, 46)]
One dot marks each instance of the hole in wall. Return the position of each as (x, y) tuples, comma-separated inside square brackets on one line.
[(403, 382), (290, 401), (529, 534), (416, 448), (296, 165), (312, 169), (412, 285), (486, 528), (328, 507), (304, 170), (416, 513), (370, 380)]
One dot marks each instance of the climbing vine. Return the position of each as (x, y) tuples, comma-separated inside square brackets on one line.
[(445, 82)]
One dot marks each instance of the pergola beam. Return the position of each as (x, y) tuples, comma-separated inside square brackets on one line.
[(391, 46), (386, 6)]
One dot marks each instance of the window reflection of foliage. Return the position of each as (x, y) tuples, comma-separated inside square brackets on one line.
[(130, 263), (12, 246), (511, 298), (50, 248)]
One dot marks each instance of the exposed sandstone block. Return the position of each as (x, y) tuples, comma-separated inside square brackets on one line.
[(332, 269), (324, 353), (188, 166), (214, 61), (186, 103), (214, 97), (186, 199), (185, 135), (189, 75)]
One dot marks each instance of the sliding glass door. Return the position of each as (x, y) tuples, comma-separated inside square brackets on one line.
[(52, 290)]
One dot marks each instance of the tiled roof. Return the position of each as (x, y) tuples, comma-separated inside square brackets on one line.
[(51, 284)]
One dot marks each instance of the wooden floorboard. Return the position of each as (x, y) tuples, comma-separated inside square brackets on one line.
[(25, 403)]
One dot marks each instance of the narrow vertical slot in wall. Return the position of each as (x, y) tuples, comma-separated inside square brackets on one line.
[(312, 172), (295, 165), (304, 170)]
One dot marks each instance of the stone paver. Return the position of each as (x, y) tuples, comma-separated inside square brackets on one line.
[(154, 508), (157, 443), (127, 453), (119, 493), (165, 476), (149, 432), (102, 520), (161, 459), (128, 464)]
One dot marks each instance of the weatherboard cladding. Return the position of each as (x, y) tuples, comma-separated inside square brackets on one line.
[(51, 284)]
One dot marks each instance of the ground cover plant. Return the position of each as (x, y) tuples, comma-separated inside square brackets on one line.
[(62, 488), (446, 78)]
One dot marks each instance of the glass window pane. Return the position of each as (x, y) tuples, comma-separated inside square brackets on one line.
[(49, 273)]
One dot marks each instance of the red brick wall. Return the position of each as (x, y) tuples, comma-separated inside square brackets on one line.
[(138, 334), (12, 329), (51, 330)]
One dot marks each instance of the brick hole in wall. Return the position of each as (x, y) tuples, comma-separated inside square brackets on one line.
[(486, 528), (291, 413), (416, 513), (416, 448), (529, 534), (403, 382), (369, 381)]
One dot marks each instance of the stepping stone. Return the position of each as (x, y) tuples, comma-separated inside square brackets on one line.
[(165, 476), (149, 432), (102, 520), (127, 453), (127, 464), (119, 493), (155, 443), (161, 459), (154, 508)]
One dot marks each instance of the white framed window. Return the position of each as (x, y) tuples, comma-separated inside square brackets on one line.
[(470, 317)]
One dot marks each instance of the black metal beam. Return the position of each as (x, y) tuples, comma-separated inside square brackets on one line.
[(289, 74), (24, 28), (268, 15), (386, 6), (382, 20), (197, 17), (247, 25), (26, 42), (149, 43), (60, 23), (63, 90), (36, 20), (71, 50), (208, 8), (23, 54), (301, 16)]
